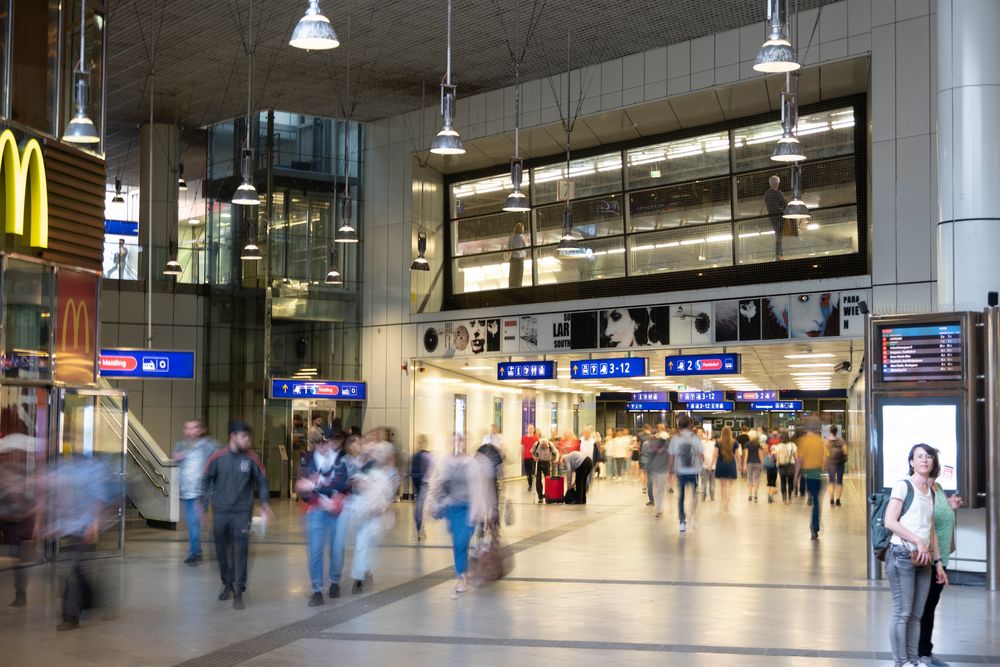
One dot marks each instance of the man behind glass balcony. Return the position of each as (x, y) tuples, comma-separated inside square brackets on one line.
[(775, 202)]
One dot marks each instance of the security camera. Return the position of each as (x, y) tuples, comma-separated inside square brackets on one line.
[(843, 367)]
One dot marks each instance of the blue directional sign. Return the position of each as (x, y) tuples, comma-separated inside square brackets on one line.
[(709, 406), (700, 396), (526, 370), (625, 367), (703, 364), (655, 396), (332, 389), (777, 406), (648, 406), (765, 395), (147, 364)]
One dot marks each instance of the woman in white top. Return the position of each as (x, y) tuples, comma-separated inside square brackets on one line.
[(913, 552)]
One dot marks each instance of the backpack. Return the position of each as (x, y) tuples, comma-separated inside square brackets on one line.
[(836, 449), (877, 504), (686, 453), (769, 462)]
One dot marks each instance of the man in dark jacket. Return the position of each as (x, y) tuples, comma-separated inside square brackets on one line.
[(230, 477), (775, 202)]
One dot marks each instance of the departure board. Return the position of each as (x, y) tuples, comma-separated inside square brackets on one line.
[(922, 353)]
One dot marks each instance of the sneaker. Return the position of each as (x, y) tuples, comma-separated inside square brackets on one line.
[(831, 502), (191, 560), (770, 500), (809, 502), (359, 587), (814, 535), (684, 526), (755, 498), (750, 499), (70, 623), (20, 600), (838, 505), (650, 503), (238, 601), (316, 600), (933, 661), (226, 592), (658, 515), (334, 591)]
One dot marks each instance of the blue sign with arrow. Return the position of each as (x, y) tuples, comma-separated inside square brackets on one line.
[(698, 396), (331, 389), (625, 367), (648, 406), (710, 406), (703, 364), (777, 406)]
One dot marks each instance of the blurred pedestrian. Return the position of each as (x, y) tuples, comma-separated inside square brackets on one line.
[(191, 454), (374, 488), (710, 454), (687, 457), (231, 475), (528, 441), (18, 507), (421, 466), (812, 456), (578, 467), (544, 454)]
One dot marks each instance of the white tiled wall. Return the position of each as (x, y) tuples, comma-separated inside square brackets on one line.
[(898, 35)]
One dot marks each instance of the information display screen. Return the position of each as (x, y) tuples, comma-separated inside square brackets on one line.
[(765, 395), (922, 353), (904, 422)]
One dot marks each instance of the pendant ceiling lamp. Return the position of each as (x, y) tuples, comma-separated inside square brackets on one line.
[(447, 141), (118, 199), (333, 276), (251, 252), (173, 267), (420, 262), (569, 245), (313, 31), (81, 129), (777, 54), (796, 209), (516, 201), (346, 233), (181, 183), (788, 148), (246, 194)]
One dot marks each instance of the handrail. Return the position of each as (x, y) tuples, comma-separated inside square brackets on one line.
[(135, 437), (140, 461)]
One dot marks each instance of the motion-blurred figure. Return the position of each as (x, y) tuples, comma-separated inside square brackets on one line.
[(17, 508), (421, 466), (374, 488), (192, 454)]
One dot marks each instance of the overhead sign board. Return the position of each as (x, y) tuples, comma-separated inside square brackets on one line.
[(703, 364), (656, 396), (699, 396), (764, 395), (648, 406), (331, 389), (147, 364), (777, 406), (709, 406), (526, 370), (625, 367)]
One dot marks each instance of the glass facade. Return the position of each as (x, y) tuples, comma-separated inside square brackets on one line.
[(689, 204)]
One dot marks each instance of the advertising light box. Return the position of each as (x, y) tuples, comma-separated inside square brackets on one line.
[(764, 395), (776, 406), (648, 406), (905, 422), (146, 364)]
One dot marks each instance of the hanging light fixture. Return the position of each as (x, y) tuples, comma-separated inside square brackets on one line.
[(517, 202), (181, 183), (788, 148), (81, 129), (173, 267), (569, 245), (447, 141), (777, 54), (346, 232), (333, 277), (246, 194), (118, 199), (313, 31), (251, 252), (420, 262), (796, 209)]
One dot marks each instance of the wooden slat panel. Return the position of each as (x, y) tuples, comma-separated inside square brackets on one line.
[(76, 182)]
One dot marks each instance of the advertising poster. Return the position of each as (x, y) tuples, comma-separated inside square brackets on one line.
[(635, 327), (852, 321), (463, 338), (76, 327), (558, 331), (774, 316), (749, 317), (727, 326), (815, 315), (509, 332), (691, 324)]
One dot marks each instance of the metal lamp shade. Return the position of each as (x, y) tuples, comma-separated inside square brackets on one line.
[(517, 202), (81, 130), (788, 149), (251, 252), (173, 268), (117, 199), (246, 195), (420, 263), (346, 234), (313, 31), (333, 277), (796, 210), (776, 56), (447, 142), (569, 246)]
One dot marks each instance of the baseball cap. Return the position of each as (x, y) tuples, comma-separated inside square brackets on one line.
[(239, 426)]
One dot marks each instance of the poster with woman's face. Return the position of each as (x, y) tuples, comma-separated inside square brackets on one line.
[(774, 318), (634, 327), (814, 315), (749, 316), (727, 326)]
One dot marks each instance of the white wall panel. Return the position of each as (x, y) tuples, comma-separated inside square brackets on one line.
[(727, 48), (883, 88), (913, 85), (655, 65), (913, 209), (703, 54), (883, 219), (883, 12), (833, 22), (678, 60)]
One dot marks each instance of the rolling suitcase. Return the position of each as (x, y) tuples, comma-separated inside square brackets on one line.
[(554, 490)]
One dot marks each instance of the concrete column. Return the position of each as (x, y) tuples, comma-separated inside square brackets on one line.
[(968, 151), (165, 141)]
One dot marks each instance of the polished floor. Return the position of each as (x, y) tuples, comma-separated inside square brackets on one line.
[(605, 583)]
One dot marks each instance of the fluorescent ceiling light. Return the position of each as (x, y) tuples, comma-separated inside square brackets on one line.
[(810, 355), (825, 365)]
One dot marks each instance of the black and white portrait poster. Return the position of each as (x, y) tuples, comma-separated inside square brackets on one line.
[(814, 315), (749, 316), (559, 331), (726, 323), (691, 324), (635, 327), (774, 318)]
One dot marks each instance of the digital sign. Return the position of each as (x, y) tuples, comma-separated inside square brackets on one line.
[(709, 406), (526, 370), (777, 406), (703, 364), (766, 395), (654, 396), (905, 421), (700, 396), (922, 353), (648, 406), (331, 389), (147, 364), (625, 367)]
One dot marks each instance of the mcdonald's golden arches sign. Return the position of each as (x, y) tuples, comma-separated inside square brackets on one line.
[(25, 192), (76, 327)]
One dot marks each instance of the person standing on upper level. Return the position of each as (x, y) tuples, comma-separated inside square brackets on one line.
[(775, 202)]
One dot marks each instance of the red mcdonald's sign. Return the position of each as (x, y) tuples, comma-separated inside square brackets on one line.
[(76, 327)]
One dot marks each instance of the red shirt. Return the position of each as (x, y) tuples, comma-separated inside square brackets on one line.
[(567, 445), (527, 442)]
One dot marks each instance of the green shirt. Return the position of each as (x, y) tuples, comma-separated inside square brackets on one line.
[(944, 522)]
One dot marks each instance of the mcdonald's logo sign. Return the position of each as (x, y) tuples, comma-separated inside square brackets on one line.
[(24, 185), (76, 311)]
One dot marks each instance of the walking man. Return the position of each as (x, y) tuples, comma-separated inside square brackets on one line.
[(230, 477), (528, 441), (687, 456), (191, 455), (812, 454)]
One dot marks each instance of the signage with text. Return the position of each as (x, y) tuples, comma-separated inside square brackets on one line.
[(777, 406), (709, 406), (700, 396), (655, 396), (703, 364), (331, 389), (147, 364), (625, 367), (648, 406), (765, 395), (526, 370)]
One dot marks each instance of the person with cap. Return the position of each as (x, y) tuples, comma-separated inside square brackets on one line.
[(231, 475), (322, 484)]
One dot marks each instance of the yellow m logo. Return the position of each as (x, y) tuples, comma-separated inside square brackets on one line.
[(23, 176), (76, 310)]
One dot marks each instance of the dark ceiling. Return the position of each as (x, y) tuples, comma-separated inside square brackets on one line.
[(196, 52)]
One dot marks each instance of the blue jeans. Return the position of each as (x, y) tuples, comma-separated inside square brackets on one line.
[(812, 488), (461, 534), (321, 528), (193, 522), (683, 481), (909, 586)]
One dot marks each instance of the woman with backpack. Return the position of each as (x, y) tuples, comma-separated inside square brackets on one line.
[(784, 455), (913, 557), (836, 460)]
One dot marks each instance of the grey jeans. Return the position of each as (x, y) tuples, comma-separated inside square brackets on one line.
[(909, 585)]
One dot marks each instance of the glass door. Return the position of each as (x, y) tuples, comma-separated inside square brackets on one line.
[(87, 472)]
